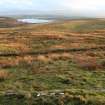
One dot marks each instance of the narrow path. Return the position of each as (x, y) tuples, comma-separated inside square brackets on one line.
[(53, 92), (52, 51)]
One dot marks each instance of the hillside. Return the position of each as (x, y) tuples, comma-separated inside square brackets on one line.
[(60, 63), (6, 22)]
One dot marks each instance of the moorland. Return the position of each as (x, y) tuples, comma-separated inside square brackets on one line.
[(59, 63)]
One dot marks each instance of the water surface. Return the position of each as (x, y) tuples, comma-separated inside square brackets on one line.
[(34, 20)]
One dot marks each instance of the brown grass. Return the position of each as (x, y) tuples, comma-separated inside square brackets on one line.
[(4, 74), (8, 63), (43, 58), (63, 56)]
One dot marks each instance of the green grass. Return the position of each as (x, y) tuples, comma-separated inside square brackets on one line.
[(71, 97), (60, 75), (54, 75)]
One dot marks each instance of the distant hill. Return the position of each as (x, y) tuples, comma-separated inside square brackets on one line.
[(58, 17), (6, 22)]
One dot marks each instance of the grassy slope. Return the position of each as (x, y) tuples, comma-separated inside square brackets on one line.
[(79, 73)]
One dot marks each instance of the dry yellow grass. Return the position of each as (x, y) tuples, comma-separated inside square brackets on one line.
[(4, 74), (60, 56), (43, 58)]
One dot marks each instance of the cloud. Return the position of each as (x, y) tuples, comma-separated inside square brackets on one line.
[(84, 7), (81, 5), (16, 2)]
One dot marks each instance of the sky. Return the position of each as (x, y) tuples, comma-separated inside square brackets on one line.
[(95, 8)]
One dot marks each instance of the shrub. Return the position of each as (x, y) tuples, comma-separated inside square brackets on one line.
[(88, 64), (103, 64)]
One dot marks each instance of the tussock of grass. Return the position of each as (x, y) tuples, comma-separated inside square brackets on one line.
[(4, 75)]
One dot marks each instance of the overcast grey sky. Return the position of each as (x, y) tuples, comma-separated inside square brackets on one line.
[(67, 7)]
